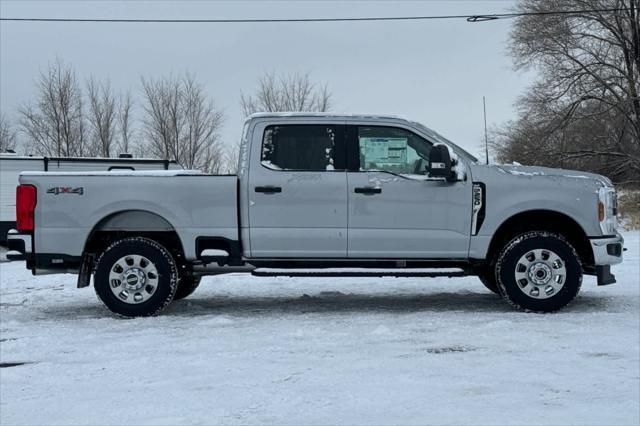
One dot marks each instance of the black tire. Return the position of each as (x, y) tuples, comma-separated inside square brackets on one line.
[(166, 281), (186, 286), (487, 277), (509, 258)]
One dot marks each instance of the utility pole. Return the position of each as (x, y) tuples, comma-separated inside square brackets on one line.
[(486, 138)]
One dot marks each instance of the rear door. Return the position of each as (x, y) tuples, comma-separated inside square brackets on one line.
[(297, 191), (394, 211)]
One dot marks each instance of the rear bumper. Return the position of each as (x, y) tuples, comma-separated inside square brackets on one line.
[(21, 249), (20, 246)]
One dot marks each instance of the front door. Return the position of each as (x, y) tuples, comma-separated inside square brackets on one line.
[(394, 210), (298, 192)]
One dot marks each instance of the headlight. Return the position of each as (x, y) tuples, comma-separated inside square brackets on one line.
[(607, 210)]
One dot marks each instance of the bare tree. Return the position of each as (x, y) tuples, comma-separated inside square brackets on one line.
[(231, 158), (101, 117), (54, 124), (160, 123), (200, 142), (585, 108), (286, 92), (125, 128), (8, 138), (182, 123)]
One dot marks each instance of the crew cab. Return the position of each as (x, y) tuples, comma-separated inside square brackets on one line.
[(320, 194)]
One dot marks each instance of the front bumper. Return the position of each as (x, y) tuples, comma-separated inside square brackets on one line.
[(607, 251)]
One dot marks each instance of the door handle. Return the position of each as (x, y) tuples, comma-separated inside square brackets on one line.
[(268, 189), (367, 190)]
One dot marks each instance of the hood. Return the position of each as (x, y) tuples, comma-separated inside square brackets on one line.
[(533, 172)]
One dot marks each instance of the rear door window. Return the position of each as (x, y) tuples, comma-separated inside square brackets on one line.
[(303, 147)]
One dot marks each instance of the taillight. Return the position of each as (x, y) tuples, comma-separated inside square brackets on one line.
[(26, 196)]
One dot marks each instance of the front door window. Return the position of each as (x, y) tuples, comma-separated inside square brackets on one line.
[(392, 149)]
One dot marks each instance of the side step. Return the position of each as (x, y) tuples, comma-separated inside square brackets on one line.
[(360, 272)]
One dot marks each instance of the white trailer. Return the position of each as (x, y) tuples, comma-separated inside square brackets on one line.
[(11, 165)]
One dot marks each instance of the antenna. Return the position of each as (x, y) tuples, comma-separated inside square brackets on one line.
[(486, 139)]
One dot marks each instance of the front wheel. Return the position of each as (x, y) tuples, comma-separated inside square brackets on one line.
[(186, 286), (136, 277), (539, 271), (487, 277)]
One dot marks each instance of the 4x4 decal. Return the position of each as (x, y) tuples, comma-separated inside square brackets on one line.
[(65, 190)]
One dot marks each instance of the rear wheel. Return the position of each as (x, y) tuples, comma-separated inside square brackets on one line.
[(136, 277), (539, 271)]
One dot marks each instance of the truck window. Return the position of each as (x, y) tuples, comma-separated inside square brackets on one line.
[(392, 149), (302, 147)]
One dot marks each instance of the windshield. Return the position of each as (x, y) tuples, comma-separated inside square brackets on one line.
[(437, 137)]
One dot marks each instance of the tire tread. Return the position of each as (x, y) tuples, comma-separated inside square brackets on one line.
[(173, 282), (515, 242)]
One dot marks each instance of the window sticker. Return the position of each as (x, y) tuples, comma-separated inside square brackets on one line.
[(384, 150)]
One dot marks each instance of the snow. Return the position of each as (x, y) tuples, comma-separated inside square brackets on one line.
[(247, 350), (154, 173), (521, 173), (376, 179), (517, 169), (577, 176), (419, 177), (269, 165), (214, 252)]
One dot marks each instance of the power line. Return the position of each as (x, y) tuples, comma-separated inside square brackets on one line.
[(469, 18)]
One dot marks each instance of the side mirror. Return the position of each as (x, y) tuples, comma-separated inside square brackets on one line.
[(440, 163)]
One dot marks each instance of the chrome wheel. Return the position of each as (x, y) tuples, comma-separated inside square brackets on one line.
[(540, 273), (133, 279)]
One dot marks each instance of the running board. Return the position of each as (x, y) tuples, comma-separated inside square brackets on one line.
[(361, 272)]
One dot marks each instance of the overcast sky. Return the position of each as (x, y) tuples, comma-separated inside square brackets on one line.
[(435, 72)]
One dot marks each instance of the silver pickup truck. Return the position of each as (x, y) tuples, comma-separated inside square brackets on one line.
[(318, 195)]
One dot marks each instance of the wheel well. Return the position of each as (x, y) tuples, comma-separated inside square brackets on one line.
[(134, 220), (542, 220), (100, 240), (135, 223)]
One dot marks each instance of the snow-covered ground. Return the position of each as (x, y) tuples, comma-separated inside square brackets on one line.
[(246, 350)]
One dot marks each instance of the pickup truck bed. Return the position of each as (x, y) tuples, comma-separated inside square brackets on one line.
[(199, 205)]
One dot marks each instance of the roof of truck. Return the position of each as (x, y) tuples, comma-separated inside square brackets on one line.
[(323, 114)]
